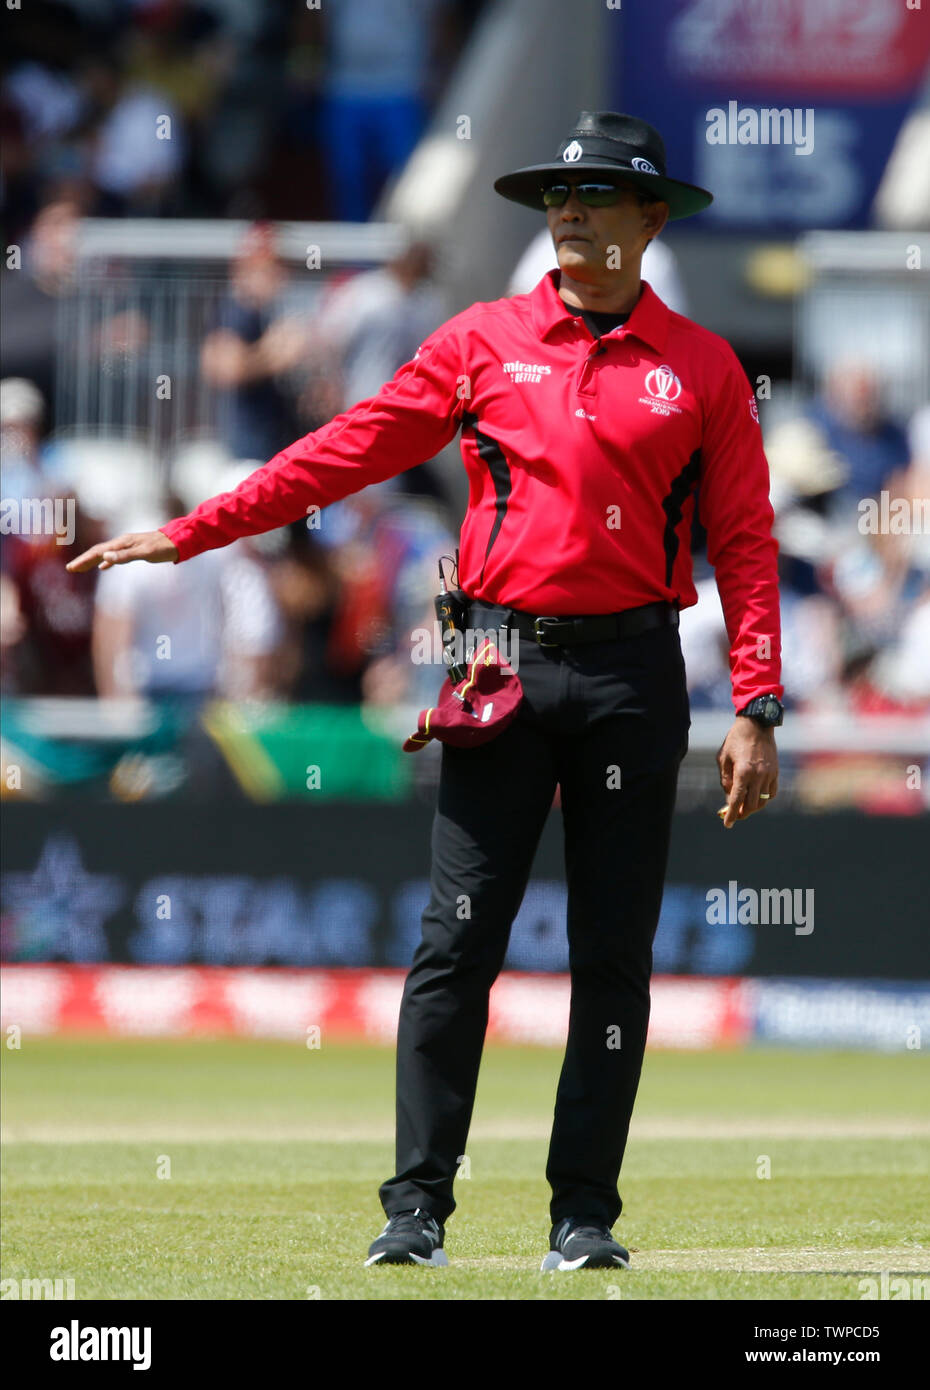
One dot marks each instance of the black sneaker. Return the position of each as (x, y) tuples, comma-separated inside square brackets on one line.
[(409, 1238), (577, 1243)]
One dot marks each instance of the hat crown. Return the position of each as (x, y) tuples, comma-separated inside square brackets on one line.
[(627, 136)]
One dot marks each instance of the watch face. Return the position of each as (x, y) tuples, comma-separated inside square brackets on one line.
[(765, 707)]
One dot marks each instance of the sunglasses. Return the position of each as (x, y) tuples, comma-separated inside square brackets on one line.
[(593, 195)]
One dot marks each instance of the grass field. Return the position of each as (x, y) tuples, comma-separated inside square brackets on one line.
[(276, 1153)]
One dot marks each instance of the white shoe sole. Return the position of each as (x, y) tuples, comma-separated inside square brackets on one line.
[(439, 1259), (554, 1261)]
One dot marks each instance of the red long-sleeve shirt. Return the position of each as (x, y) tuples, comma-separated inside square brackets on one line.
[(583, 457)]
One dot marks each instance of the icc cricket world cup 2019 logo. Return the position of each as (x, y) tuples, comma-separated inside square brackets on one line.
[(664, 388), (662, 383)]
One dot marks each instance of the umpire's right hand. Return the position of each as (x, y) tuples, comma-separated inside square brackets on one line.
[(153, 546)]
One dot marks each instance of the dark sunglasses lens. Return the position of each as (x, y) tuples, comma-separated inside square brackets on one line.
[(598, 195), (594, 195)]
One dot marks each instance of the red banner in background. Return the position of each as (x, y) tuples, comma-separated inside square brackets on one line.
[(817, 48), (187, 1001), (311, 1007)]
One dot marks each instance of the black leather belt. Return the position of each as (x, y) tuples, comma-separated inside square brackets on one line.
[(572, 632)]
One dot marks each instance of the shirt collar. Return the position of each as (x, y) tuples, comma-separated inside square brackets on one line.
[(648, 320)]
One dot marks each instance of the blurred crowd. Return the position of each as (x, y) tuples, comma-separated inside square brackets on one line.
[(269, 109), (854, 569), (318, 611), (215, 108)]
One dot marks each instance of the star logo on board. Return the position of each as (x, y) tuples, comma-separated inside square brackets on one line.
[(58, 908)]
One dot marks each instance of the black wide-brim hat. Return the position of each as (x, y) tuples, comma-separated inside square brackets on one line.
[(604, 144)]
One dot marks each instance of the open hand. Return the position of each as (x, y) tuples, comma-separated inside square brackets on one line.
[(153, 546)]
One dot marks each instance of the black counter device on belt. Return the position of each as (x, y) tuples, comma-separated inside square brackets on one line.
[(450, 610)]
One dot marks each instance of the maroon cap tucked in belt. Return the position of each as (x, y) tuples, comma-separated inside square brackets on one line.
[(478, 708)]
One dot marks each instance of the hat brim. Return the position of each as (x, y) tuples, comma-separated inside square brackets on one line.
[(525, 185)]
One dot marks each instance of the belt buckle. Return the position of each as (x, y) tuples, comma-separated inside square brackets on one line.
[(539, 634)]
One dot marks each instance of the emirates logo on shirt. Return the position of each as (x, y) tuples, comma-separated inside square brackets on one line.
[(664, 389), (526, 371)]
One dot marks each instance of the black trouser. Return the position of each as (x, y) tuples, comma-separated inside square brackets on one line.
[(592, 717)]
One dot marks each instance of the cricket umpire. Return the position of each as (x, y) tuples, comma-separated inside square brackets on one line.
[(594, 421)]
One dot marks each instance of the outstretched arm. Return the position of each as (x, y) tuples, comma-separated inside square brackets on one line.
[(411, 419)]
